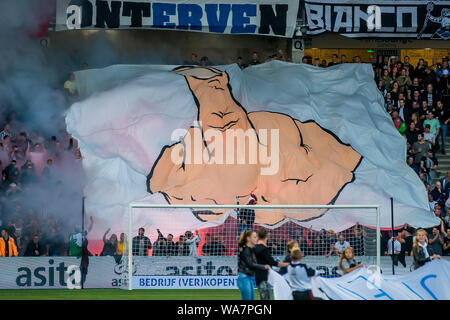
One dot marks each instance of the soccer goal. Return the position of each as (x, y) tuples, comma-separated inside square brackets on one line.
[(196, 246)]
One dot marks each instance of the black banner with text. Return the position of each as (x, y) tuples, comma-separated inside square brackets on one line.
[(387, 19)]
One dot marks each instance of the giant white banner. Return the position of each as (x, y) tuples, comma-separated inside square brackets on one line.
[(141, 128)]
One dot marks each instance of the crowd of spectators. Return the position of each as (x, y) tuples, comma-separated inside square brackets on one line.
[(417, 99), (186, 245), (32, 169), (325, 243), (253, 60), (38, 161)]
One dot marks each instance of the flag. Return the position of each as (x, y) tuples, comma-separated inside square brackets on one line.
[(429, 282), (169, 134), (281, 288)]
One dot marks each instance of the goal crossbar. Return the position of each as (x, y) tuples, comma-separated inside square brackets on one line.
[(246, 206)]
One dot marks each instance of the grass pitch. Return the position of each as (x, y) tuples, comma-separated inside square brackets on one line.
[(118, 294)]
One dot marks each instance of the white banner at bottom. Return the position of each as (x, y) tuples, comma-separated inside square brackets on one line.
[(430, 282), (108, 272)]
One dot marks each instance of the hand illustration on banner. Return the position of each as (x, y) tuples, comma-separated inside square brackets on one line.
[(276, 179)]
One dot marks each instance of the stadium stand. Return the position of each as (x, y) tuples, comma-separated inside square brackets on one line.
[(35, 166)]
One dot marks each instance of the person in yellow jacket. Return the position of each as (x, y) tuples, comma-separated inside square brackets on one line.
[(8, 247), (120, 245)]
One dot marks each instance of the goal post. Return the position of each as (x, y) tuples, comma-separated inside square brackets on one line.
[(282, 229)]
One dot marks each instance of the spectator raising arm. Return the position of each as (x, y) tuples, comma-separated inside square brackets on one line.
[(436, 237), (104, 236), (195, 239), (192, 241), (160, 235)]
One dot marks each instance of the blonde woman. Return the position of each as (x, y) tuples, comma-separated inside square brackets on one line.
[(422, 252), (290, 247), (417, 122), (347, 261)]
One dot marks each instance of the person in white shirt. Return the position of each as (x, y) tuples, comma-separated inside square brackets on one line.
[(428, 136), (431, 202), (192, 241), (299, 277), (341, 244), (394, 251)]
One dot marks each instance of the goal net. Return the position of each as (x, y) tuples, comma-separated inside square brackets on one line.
[(195, 246)]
